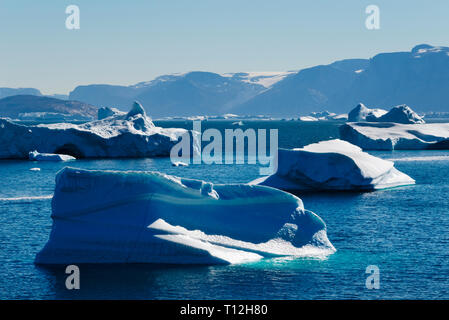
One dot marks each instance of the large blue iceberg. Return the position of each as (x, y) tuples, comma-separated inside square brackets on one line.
[(150, 217)]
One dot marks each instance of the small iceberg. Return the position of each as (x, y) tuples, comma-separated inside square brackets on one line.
[(150, 217), (36, 156), (106, 112), (307, 118), (333, 165), (179, 164), (362, 113), (131, 135), (395, 136), (35, 169), (399, 114)]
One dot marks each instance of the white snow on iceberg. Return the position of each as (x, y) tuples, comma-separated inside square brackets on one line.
[(361, 113), (399, 114), (36, 156), (394, 136), (121, 135), (150, 217), (333, 165)]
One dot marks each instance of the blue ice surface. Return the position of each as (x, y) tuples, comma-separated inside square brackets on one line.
[(403, 231)]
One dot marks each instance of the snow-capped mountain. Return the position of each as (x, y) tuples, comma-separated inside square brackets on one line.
[(418, 78), (176, 95)]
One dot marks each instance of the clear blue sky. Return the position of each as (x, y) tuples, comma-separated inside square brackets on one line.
[(125, 42)]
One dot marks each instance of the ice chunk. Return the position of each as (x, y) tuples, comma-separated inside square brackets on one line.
[(361, 113), (307, 118), (122, 135), (150, 217), (333, 165), (400, 114), (136, 109), (106, 112), (179, 164), (393, 136), (36, 156)]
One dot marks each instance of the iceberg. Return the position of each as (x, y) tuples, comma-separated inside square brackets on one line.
[(150, 217), (106, 112), (307, 118), (36, 156), (122, 135), (361, 113), (399, 114), (332, 165), (394, 136)]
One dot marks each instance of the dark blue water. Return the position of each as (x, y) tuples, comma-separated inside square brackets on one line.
[(403, 231)]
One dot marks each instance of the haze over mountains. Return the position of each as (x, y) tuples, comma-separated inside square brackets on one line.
[(418, 78)]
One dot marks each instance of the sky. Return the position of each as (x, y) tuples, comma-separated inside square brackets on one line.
[(126, 42)]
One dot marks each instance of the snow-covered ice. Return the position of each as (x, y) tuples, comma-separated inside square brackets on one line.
[(307, 118), (36, 156), (399, 114), (179, 164), (333, 165), (361, 113), (123, 135), (395, 136), (150, 217), (106, 112)]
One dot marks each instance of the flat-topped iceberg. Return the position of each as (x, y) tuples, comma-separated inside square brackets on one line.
[(333, 165), (120, 135), (150, 217), (36, 156), (394, 136)]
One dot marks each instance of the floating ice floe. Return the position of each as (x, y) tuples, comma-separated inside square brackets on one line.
[(150, 217), (35, 169), (394, 136), (123, 135), (36, 156), (333, 165), (307, 118), (179, 164)]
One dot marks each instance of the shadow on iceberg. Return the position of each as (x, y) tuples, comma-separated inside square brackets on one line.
[(131, 135), (395, 136), (333, 165), (150, 217)]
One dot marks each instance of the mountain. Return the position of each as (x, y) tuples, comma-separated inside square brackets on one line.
[(418, 78), (29, 106), (311, 89), (6, 92), (192, 93)]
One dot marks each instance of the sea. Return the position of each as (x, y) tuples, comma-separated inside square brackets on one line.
[(402, 232)]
